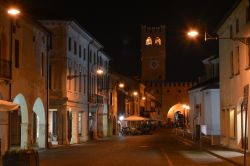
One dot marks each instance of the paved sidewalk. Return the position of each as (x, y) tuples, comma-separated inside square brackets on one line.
[(233, 156)]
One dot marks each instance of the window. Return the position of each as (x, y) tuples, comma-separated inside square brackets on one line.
[(148, 41), (17, 53), (69, 44), (94, 58), (79, 123), (42, 64), (157, 41), (237, 65), (80, 51), (231, 31), (3, 46), (232, 64), (84, 54), (50, 77), (232, 122), (75, 48), (237, 28)]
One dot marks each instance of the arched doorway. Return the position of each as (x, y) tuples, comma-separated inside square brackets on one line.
[(24, 120), (175, 108), (39, 123), (178, 116)]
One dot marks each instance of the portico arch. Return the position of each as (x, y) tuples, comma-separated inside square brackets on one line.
[(19, 99), (174, 109), (40, 121)]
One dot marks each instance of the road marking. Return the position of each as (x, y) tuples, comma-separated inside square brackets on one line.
[(166, 156)]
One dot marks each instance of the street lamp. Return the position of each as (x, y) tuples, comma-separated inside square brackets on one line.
[(194, 34), (135, 93), (121, 85), (99, 71), (13, 11)]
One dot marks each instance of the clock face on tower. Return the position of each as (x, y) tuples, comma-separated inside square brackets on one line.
[(153, 63)]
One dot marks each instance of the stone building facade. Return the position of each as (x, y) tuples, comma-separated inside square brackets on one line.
[(78, 101), (24, 51), (234, 60)]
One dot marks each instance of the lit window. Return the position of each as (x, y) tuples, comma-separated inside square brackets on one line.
[(157, 41), (148, 41)]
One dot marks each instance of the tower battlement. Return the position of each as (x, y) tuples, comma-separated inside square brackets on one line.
[(159, 29), (169, 84)]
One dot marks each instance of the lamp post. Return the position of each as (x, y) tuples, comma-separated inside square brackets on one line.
[(194, 34)]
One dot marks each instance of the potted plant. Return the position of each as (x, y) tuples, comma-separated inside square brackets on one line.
[(21, 157)]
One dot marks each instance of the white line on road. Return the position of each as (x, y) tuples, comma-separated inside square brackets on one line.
[(166, 156)]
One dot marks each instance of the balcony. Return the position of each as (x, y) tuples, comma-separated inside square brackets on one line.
[(5, 69)]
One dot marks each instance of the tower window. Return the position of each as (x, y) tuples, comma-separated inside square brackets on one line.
[(157, 41), (148, 41)]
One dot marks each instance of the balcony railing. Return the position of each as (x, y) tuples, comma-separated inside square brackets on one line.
[(5, 69)]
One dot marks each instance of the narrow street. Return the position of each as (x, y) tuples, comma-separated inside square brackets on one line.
[(161, 148)]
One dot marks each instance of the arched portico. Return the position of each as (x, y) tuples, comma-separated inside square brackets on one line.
[(174, 109), (39, 110), (19, 99)]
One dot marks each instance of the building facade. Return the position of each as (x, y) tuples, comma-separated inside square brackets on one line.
[(205, 103), (78, 101), (24, 51), (234, 75)]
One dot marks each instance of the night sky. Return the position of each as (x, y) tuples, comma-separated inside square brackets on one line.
[(116, 25)]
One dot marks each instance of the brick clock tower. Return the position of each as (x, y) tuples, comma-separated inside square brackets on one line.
[(153, 71), (153, 54)]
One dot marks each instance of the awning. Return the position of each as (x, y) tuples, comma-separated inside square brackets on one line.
[(135, 118), (8, 106)]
